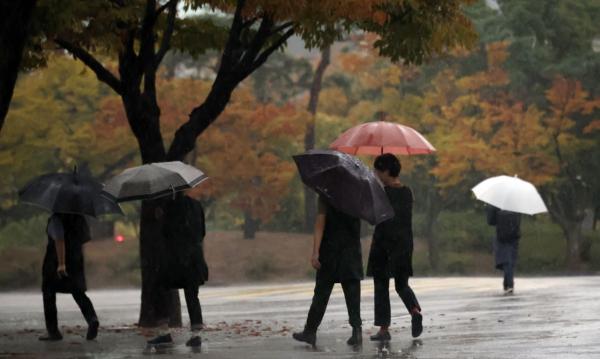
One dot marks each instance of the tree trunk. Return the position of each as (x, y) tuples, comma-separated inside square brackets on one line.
[(251, 225), (143, 115), (310, 198), (573, 234), (15, 17)]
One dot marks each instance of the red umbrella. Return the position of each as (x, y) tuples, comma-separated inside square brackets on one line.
[(378, 137)]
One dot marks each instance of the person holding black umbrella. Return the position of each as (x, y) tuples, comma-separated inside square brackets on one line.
[(391, 251), (69, 196), (348, 191), (337, 257), (63, 271)]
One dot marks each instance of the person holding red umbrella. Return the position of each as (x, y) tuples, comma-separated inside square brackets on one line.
[(391, 251)]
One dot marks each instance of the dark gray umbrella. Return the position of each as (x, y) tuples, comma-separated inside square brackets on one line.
[(153, 180), (68, 193), (346, 183)]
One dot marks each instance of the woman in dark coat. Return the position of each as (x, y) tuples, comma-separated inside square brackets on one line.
[(506, 242), (391, 251), (63, 271), (337, 257), (184, 266)]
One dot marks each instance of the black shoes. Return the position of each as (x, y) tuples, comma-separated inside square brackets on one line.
[(356, 338), (306, 337), (51, 337), (417, 324), (92, 332), (161, 341), (194, 342), (381, 336)]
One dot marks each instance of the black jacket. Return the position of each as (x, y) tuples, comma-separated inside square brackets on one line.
[(75, 232), (392, 246), (184, 232), (340, 253)]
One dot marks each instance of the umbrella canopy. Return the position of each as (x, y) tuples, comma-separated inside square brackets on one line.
[(346, 183), (379, 137), (68, 193), (510, 194), (153, 180)]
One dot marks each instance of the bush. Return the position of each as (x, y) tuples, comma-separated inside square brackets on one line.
[(260, 268), (25, 232)]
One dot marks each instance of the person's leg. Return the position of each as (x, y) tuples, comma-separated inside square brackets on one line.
[(194, 308), (382, 302), (406, 294), (316, 312), (509, 276), (51, 317), (162, 303), (351, 290), (410, 301), (382, 308), (87, 309), (319, 303), (195, 312)]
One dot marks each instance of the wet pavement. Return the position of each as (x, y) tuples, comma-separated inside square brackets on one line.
[(463, 318)]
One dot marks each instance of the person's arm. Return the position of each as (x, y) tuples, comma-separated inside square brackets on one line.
[(318, 235), (57, 233), (60, 253)]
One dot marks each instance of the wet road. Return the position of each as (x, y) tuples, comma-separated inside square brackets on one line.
[(463, 318)]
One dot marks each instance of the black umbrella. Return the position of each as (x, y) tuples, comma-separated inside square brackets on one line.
[(346, 183), (68, 193)]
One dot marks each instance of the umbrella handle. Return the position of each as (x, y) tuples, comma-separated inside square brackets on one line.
[(173, 192)]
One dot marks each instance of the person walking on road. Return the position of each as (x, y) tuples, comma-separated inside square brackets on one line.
[(337, 257), (184, 264), (391, 251), (63, 271), (506, 242)]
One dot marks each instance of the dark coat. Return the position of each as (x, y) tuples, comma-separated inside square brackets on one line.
[(184, 232), (75, 232), (392, 245), (508, 233), (340, 253)]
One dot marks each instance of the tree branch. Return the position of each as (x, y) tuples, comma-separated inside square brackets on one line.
[(261, 36), (282, 27), (162, 8), (276, 45), (102, 73), (234, 35), (165, 44)]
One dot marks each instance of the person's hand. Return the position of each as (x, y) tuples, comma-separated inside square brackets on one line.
[(61, 271), (314, 261)]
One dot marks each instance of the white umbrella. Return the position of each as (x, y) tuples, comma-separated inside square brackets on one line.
[(153, 180), (510, 194)]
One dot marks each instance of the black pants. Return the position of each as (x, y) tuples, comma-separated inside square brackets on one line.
[(320, 299), (193, 306), (50, 313), (382, 298)]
